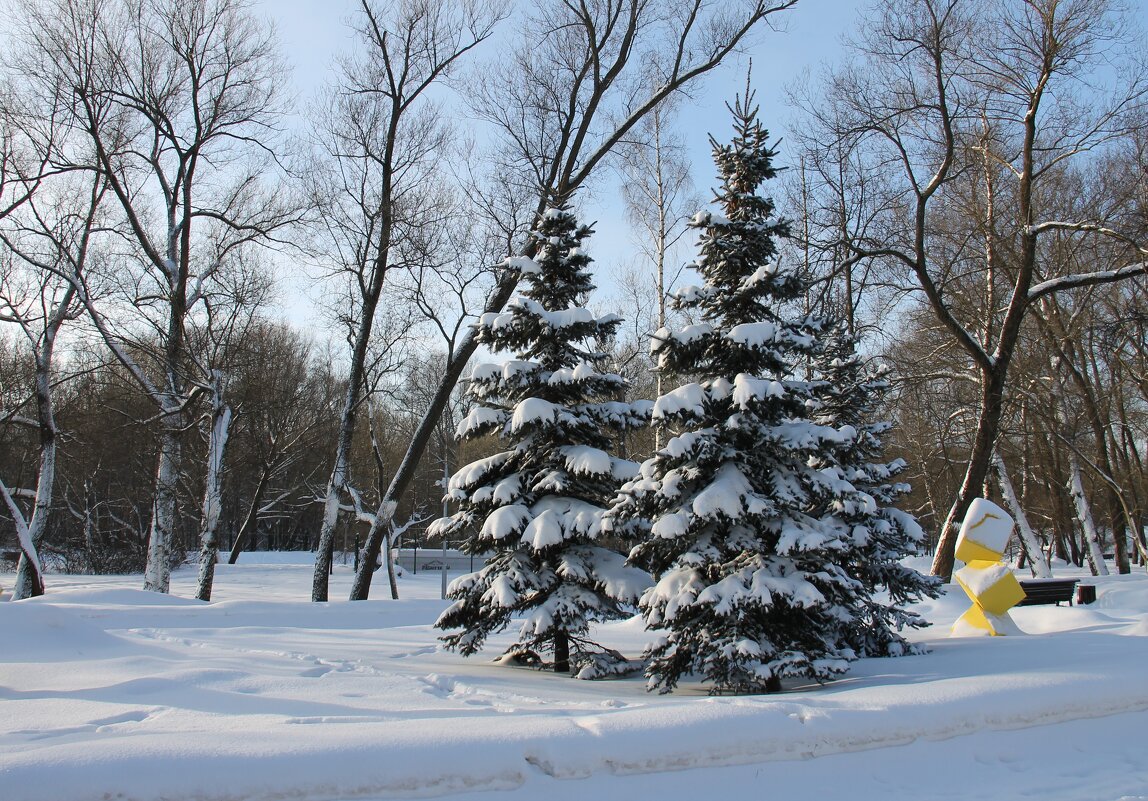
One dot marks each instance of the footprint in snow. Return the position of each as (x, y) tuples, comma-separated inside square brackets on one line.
[(98, 725), (441, 686), (430, 649)]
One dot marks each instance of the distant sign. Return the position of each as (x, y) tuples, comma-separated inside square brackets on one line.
[(431, 559)]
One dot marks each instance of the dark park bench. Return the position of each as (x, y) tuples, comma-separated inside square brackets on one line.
[(1047, 591)]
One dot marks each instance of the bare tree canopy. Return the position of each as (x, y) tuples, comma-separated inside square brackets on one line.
[(176, 108), (970, 108)]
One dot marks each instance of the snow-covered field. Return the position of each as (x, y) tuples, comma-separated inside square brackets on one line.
[(108, 692)]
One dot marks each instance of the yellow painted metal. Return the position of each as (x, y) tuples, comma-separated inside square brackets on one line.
[(975, 616), (989, 612), (971, 551), (977, 619), (1001, 596)]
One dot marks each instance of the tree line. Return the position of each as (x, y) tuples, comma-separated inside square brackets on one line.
[(967, 193)]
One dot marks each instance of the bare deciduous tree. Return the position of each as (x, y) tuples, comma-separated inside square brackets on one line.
[(380, 138), (46, 235), (938, 81), (175, 106)]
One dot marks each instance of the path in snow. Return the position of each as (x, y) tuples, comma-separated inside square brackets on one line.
[(110, 692)]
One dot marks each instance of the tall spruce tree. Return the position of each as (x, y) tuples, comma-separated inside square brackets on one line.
[(536, 508), (752, 528)]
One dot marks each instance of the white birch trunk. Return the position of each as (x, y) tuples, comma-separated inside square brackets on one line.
[(1093, 550), (212, 491), (1036, 560), (29, 572), (320, 584), (23, 535), (388, 544), (157, 574)]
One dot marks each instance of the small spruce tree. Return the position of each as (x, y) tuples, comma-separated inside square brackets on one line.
[(536, 508), (880, 534), (744, 509)]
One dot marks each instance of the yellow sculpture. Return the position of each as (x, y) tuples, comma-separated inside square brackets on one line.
[(985, 578)]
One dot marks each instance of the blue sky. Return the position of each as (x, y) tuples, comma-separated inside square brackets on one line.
[(314, 32)]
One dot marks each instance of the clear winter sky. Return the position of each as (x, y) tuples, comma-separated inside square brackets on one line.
[(313, 32)]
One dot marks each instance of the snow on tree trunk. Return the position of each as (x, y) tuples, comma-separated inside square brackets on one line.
[(991, 406), (335, 487), (212, 492), (157, 573), (392, 578), (535, 510), (382, 528), (1038, 564), (29, 572), (27, 546), (1094, 552)]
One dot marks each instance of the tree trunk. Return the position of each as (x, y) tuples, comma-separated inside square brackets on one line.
[(361, 588), (1075, 362), (340, 472), (1094, 551), (251, 520), (321, 578), (29, 571), (157, 574), (390, 563), (980, 459), (561, 651), (1030, 545), (27, 549), (212, 491)]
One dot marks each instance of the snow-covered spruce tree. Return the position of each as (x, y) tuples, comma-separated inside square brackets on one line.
[(752, 529), (536, 508), (850, 394)]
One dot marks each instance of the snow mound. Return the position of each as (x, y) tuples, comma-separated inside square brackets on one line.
[(35, 632)]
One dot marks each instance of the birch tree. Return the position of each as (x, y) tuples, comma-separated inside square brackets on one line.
[(177, 107), (48, 233), (219, 428), (1028, 540), (1093, 550), (660, 200)]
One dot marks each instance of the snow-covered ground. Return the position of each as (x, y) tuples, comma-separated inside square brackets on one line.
[(108, 692)]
